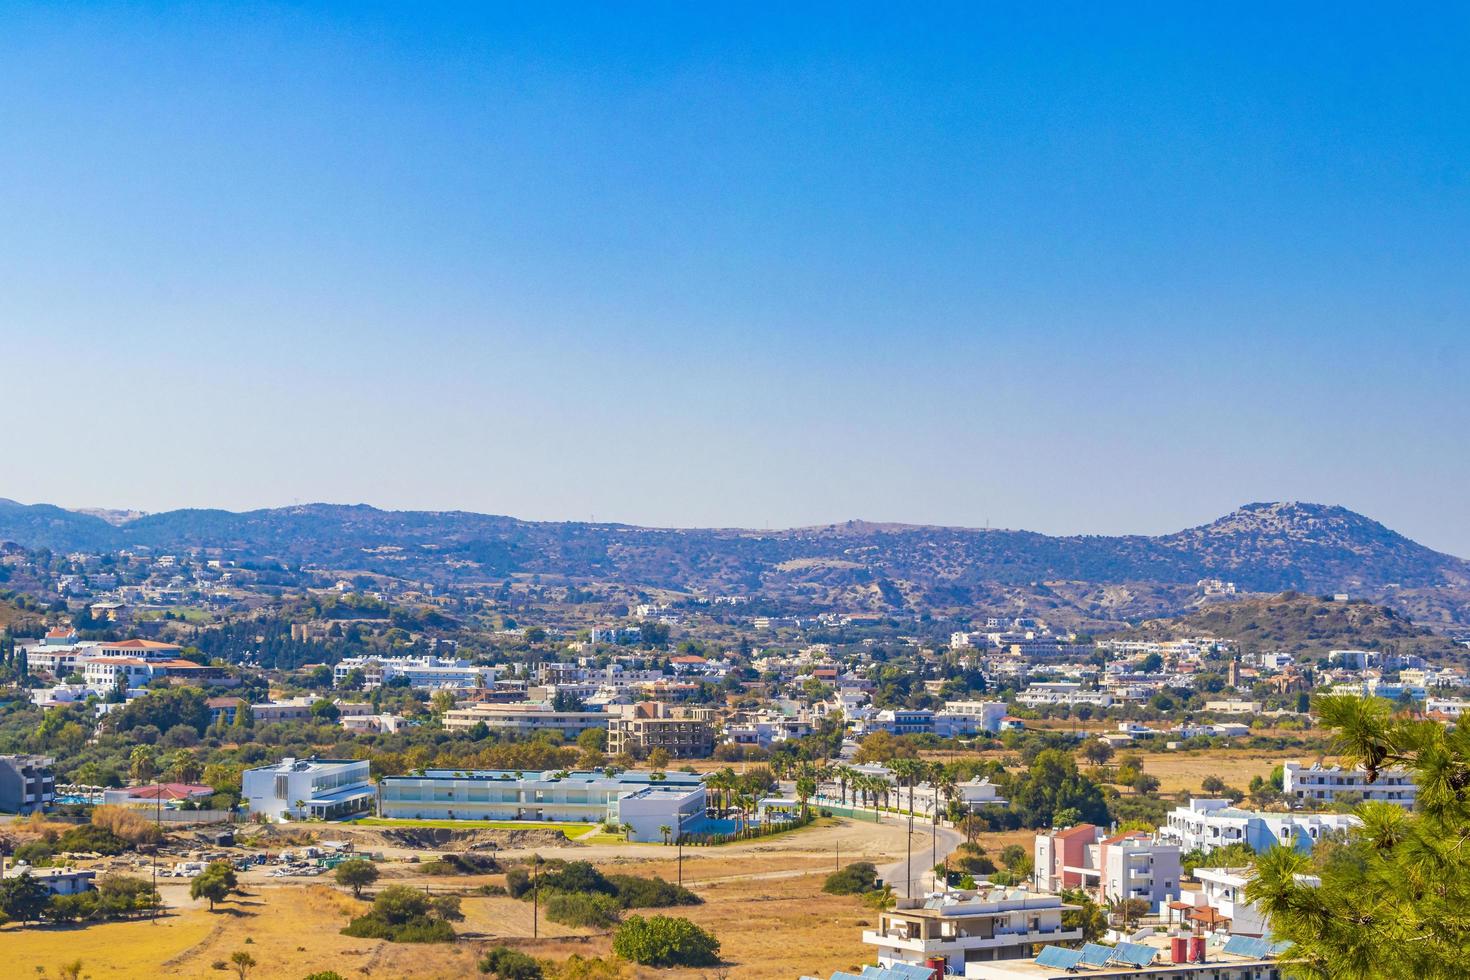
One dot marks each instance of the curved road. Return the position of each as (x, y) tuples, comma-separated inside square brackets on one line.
[(926, 854)]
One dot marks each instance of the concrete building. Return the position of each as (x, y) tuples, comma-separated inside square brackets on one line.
[(57, 881), (27, 783), (1154, 957), (1120, 866), (684, 732), (526, 718), (295, 789), (677, 800), (1068, 693), (1318, 784), (1206, 824), (962, 928), (428, 673)]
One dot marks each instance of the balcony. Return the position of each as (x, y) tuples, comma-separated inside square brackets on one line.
[(939, 945)]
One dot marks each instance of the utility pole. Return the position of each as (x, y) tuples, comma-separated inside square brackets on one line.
[(535, 895), (908, 890), (158, 825), (838, 864), (680, 843)]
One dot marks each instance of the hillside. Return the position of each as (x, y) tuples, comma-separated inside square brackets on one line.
[(1262, 547), (1303, 624)]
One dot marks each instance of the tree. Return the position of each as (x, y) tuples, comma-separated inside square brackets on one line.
[(1097, 752), (1394, 900), (666, 831), (142, 764), (1013, 857), (325, 711), (1212, 784), (356, 874), (658, 758), (662, 940), (1051, 784), (211, 887), (23, 898), (243, 963)]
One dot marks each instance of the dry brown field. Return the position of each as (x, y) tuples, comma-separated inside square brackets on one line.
[(763, 900)]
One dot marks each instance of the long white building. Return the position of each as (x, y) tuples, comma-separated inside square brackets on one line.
[(1206, 824), (677, 800), (422, 672), (961, 928), (296, 789), (1324, 784)]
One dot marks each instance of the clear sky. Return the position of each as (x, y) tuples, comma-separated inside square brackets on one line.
[(1073, 269)]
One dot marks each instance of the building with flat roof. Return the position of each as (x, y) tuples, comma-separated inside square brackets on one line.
[(1117, 866), (1206, 824), (524, 718), (684, 732), (296, 789), (1319, 784), (1157, 957), (430, 673), (639, 799), (961, 928), (27, 783)]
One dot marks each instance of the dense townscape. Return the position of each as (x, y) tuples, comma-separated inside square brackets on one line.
[(188, 729)]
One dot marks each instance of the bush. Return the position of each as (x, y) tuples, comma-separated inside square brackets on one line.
[(856, 878), (590, 911), (517, 882), (634, 892), (665, 941), (35, 853), (88, 839), (510, 964), (402, 914), (462, 864), (576, 876)]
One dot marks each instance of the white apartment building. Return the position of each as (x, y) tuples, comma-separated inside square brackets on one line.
[(968, 717), (1121, 866), (525, 717), (1322, 784), (961, 928), (1206, 824), (1051, 693), (428, 673), (1223, 890), (295, 789), (647, 803)]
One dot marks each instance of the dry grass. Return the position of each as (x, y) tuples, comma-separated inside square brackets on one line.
[(763, 900)]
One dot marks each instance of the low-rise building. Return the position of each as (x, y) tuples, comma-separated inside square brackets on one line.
[(429, 673), (644, 800), (295, 789), (1321, 785), (1206, 824), (27, 783), (956, 930), (1154, 957), (682, 731), (525, 718), (1132, 865)]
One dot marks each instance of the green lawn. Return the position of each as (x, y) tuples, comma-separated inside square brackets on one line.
[(570, 829)]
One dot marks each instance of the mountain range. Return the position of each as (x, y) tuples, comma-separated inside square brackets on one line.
[(1262, 547)]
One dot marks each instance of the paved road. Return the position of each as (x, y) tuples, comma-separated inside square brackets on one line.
[(927, 853)]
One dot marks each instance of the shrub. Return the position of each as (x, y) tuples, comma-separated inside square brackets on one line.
[(91, 839), (509, 964), (635, 892), (854, 879), (576, 876), (517, 882), (402, 914), (665, 941), (36, 852), (462, 864), (593, 911), (325, 975)]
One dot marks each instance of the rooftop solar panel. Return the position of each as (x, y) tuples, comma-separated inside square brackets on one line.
[(1134, 954), (1058, 958), (1094, 954), (1256, 949)]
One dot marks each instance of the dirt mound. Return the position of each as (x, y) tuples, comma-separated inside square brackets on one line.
[(446, 839)]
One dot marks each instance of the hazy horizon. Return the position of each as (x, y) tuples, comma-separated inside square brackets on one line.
[(1066, 269)]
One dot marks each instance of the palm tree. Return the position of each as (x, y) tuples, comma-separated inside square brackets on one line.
[(806, 786), (667, 831)]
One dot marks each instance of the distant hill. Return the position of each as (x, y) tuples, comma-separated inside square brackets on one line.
[(1262, 547), (1303, 624)]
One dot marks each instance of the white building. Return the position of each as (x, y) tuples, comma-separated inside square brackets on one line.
[(429, 673), (1121, 866), (525, 718), (1152, 957), (1069, 693), (1322, 784), (961, 928), (1206, 824), (302, 788), (677, 800)]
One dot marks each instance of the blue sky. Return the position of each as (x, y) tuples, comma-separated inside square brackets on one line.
[(1074, 270)]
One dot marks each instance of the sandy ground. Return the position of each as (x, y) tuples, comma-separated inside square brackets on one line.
[(763, 900)]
